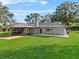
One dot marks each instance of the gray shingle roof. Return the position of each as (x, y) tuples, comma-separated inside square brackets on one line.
[(40, 25)]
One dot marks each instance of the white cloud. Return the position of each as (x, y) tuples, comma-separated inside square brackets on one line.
[(25, 12), (42, 2), (16, 1), (20, 14)]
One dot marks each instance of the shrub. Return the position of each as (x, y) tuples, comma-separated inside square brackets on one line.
[(4, 34)]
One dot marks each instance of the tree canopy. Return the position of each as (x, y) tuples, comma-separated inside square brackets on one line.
[(66, 12), (5, 16), (33, 17)]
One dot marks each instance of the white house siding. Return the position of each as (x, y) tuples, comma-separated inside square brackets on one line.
[(55, 31), (37, 31), (59, 31), (43, 31)]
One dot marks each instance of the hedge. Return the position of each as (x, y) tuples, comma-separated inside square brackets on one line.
[(4, 34)]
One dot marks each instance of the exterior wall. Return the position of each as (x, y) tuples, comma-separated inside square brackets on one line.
[(44, 31), (60, 31), (36, 31), (54, 31)]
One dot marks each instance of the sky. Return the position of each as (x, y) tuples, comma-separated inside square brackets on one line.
[(21, 8)]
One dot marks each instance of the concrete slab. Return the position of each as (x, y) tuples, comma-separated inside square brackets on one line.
[(11, 37), (52, 35)]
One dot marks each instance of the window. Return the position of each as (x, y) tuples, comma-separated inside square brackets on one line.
[(49, 31)]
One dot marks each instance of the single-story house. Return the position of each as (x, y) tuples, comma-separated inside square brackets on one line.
[(42, 29)]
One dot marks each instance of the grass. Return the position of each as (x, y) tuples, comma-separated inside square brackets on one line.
[(36, 47)]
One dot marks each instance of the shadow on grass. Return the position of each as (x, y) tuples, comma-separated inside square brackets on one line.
[(42, 52), (76, 31)]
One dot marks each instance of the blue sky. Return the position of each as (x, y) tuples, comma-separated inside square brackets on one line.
[(21, 8)]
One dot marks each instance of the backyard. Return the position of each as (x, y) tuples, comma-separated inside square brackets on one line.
[(37, 47)]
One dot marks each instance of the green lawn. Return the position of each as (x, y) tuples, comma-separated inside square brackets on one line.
[(35, 47)]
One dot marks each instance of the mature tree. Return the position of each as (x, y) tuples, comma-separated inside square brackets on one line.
[(66, 12), (28, 18), (5, 16), (33, 18), (42, 19)]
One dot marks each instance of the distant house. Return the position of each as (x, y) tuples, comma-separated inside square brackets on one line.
[(41, 29)]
